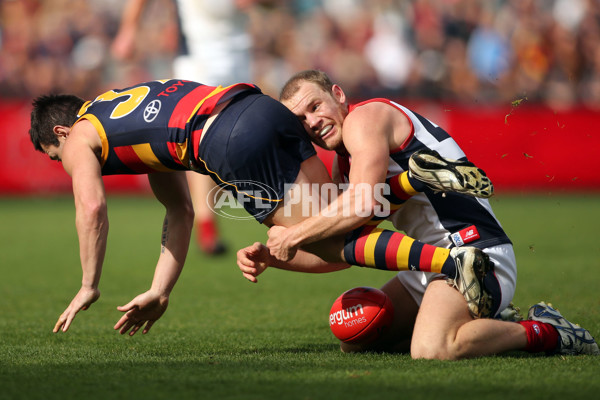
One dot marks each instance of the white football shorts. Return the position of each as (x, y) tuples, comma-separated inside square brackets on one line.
[(505, 269)]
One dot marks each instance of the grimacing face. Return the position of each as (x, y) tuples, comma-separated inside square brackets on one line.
[(321, 113)]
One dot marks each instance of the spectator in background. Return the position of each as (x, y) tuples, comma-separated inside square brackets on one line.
[(488, 52), (62, 45), (388, 49), (546, 51)]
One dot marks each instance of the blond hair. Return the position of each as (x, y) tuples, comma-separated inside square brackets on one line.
[(319, 78)]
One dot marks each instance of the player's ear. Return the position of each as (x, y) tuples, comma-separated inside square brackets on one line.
[(338, 94), (61, 131)]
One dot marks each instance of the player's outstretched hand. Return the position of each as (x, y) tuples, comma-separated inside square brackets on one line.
[(145, 308), (82, 301), (253, 260)]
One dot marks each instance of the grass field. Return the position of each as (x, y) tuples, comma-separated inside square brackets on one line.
[(225, 338)]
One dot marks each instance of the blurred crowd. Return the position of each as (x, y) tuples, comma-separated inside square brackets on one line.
[(468, 51)]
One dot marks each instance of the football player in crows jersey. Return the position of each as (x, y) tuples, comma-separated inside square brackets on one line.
[(247, 142), (164, 128), (374, 141)]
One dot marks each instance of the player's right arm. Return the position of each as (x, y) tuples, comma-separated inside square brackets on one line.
[(80, 161)]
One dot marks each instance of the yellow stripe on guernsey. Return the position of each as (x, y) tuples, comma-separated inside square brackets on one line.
[(370, 246), (404, 252), (182, 153), (100, 129), (405, 184), (147, 156)]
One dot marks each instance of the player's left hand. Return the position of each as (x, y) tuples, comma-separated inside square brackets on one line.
[(145, 308), (253, 260), (279, 243)]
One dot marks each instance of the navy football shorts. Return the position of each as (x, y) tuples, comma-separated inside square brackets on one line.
[(254, 148)]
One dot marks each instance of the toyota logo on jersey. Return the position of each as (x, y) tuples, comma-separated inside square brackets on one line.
[(151, 111)]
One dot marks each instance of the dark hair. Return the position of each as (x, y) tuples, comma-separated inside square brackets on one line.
[(48, 112), (320, 78)]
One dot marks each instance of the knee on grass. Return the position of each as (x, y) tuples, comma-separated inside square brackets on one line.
[(448, 350)]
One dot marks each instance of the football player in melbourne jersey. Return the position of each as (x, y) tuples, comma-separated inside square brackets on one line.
[(249, 143), (375, 142)]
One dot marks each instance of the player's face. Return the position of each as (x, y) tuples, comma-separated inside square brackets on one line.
[(53, 151), (321, 113)]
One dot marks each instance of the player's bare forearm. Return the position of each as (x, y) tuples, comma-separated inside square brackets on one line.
[(346, 213), (253, 260), (349, 211), (175, 239), (309, 263), (172, 191), (92, 231)]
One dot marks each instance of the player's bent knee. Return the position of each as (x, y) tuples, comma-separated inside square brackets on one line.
[(440, 353), (463, 349), (429, 354)]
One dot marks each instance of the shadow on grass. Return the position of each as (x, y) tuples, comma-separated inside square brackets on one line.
[(173, 367)]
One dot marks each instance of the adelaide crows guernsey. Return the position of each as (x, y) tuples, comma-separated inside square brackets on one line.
[(432, 217), (155, 126)]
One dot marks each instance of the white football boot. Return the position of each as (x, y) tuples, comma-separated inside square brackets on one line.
[(445, 175), (472, 265)]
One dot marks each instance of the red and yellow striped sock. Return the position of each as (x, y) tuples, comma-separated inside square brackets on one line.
[(402, 187), (369, 246)]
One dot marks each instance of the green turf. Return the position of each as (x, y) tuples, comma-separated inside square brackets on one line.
[(225, 338)]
